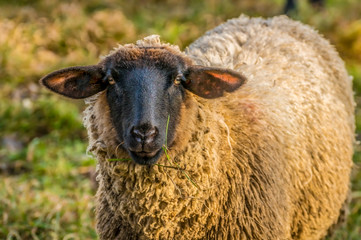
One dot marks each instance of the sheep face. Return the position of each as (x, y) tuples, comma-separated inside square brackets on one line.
[(145, 86), (145, 91)]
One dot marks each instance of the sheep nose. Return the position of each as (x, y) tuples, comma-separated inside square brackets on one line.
[(144, 133)]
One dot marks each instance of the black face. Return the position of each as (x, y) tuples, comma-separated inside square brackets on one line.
[(141, 98), (145, 87)]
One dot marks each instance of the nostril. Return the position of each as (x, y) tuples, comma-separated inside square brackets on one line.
[(137, 134), (152, 132), (144, 133)]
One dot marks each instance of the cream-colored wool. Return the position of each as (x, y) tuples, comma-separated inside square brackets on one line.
[(272, 159)]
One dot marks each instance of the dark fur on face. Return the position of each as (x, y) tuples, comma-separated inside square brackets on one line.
[(142, 97), (145, 86)]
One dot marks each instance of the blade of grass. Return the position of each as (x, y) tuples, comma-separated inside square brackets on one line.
[(175, 185), (179, 168), (165, 147), (166, 166), (119, 159), (129, 159), (166, 132)]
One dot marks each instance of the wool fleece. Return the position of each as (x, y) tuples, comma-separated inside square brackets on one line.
[(271, 160)]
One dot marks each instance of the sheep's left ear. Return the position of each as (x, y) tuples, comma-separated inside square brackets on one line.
[(76, 82), (210, 82)]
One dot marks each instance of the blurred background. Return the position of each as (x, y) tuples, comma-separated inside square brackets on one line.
[(46, 187)]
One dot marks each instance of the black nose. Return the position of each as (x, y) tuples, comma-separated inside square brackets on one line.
[(144, 133)]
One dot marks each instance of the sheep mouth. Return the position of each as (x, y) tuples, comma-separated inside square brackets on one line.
[(145, 154), (145, 158)]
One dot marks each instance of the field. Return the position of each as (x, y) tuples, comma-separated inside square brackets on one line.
[(46, 186)]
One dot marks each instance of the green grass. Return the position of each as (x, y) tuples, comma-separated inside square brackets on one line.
[(52, 198), (46, 188)]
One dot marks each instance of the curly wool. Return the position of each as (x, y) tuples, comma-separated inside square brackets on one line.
[(272, 159)]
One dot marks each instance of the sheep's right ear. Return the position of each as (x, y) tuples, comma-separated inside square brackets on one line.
[(210, 82), (76, 82)]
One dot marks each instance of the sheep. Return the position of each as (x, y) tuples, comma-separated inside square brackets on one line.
[(258, 113)]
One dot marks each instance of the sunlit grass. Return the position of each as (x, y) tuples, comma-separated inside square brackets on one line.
[(46, 191), (53, 197)]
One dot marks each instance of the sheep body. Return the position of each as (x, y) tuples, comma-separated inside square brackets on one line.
[(272, 159)]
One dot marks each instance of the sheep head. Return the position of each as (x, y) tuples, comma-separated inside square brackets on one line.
[(144, 85)]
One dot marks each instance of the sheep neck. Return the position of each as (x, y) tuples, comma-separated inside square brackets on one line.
[(160, 191)]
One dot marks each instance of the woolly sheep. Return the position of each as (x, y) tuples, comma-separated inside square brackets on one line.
[(260, 118)]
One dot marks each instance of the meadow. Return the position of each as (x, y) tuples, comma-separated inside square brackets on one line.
[(46, 176)]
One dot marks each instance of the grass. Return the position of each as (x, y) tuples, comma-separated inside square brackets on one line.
[(46, 187), (128, 160)]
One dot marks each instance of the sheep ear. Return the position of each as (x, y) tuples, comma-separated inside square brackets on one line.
[(210, 82), (76, 82)]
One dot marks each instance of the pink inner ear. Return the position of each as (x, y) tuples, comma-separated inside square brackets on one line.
[(61, 79), (225, 77)]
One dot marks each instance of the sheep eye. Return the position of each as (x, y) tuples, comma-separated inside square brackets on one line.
[(178, 79), (111, 80)]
